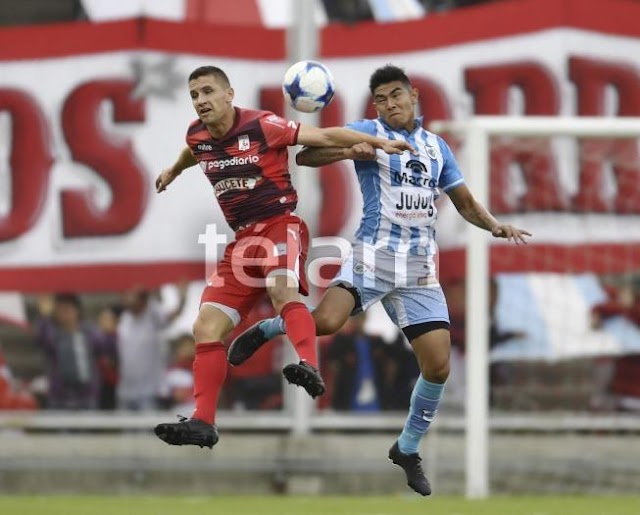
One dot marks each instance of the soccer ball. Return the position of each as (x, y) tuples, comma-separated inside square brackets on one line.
[(308, 86)]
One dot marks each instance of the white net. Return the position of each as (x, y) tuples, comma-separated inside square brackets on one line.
[(554, 326)]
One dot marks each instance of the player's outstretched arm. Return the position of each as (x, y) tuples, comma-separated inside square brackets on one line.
[(168, 175), (341, 137), (319, 156), (475, 213)]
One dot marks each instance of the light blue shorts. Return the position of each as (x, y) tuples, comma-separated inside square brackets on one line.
[(406, 305)]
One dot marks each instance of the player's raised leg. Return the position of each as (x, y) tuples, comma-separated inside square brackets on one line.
[(301, 330), (209, 372), (330, 315), (250, 340), (432, 352)]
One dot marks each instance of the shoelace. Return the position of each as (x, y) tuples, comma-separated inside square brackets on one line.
[(417, 466)]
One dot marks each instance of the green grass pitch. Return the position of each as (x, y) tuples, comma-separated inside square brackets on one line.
[(253, 505)]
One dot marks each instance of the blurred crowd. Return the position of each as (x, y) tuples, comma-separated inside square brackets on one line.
[(341, 11), (618, 378), (608, 382), (366, 372), (119, 355), (353, 11), (115, 357)]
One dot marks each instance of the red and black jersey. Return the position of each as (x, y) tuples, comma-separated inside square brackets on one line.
[(249, 166)]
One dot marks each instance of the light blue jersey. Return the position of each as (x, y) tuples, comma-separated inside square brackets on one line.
[(392, 259), (400, 191)]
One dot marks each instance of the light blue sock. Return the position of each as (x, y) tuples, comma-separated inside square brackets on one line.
[(272, 327), (422, 410)]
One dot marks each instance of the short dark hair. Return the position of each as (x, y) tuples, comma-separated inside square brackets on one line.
[(210, 70), (388, 73), (68, 298)]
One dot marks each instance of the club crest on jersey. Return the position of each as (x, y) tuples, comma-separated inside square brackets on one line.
[(431, 152), (243, 142)]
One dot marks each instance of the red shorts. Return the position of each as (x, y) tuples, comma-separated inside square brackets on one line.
[(275, 246)]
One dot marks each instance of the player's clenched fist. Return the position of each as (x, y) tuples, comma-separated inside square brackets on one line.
[(164, 179)]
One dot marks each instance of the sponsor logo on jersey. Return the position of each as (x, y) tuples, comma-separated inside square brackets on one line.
[(221, 164), (419, 175), (416, 166), (405, 178), (274, 119), (236, 183), (204, 146), (408, 201), (280, 122), (243, 142)]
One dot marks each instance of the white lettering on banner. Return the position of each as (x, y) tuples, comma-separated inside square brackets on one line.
[(566, 61), (244, 183)]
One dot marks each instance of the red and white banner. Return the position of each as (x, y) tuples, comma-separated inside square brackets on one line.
[(90, 114)]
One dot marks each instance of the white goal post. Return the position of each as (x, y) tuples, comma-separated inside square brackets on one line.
[(476, 132)]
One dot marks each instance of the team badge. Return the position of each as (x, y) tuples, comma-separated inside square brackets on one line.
[(431, 152), (243, 142), (359, 268)]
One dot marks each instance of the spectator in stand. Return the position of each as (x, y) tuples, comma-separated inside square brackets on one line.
[(368, 374), (13, 397), (624, 378), (501, 373), (257, 384), (402, 373), (73, 349), (350, 11), (142, 348), (177, 387), (446, 5), (108, 363), (40, 11), (355, 363)]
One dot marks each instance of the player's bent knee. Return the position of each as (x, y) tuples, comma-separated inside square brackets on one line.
[(200, 329), (281, 294), (327, 323), (435, 372), (208, 329)]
